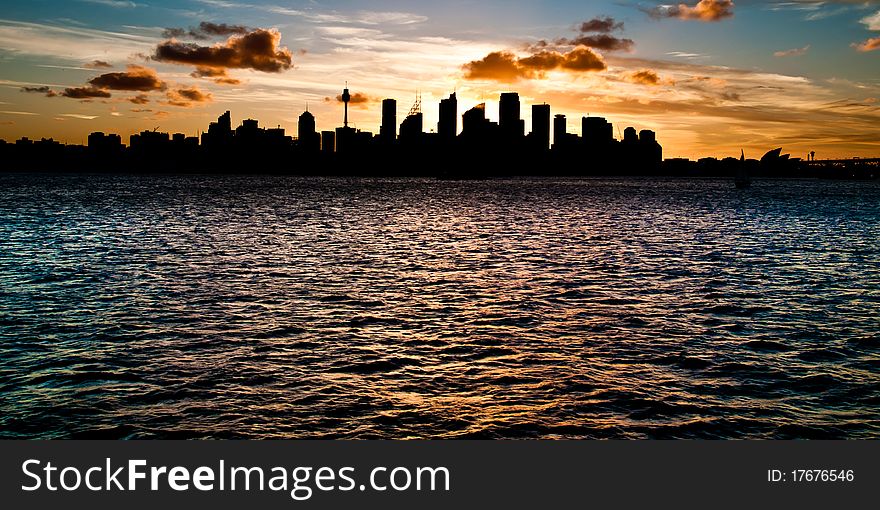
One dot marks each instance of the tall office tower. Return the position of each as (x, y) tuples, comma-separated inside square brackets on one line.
[(509, 115), (541, 126), (224, 122), (307, 137), (597, 130), (388, 131), (474, 120), (559, 129), (447, 128), (412, 127), (328, 142)]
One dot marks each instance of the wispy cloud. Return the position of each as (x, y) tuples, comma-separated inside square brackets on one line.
[(78, 44), (361, 17), (687, 55), (794, 52), (79, 116), (119, 4)]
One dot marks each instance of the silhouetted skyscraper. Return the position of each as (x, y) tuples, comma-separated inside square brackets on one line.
[(597, 131), (447, 128), (388, 131), (328, 142), (651, 150), (541, 126), (412, 127), (308, 138), (345, 140), (224, 122), (630, 135), (509, 115), (559, 129), (474, 120), (219, 133)]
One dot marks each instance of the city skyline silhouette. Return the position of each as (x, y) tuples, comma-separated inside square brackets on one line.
[(463, 146), (714, 78)]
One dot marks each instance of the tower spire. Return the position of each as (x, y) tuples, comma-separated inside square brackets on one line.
[(346, 97)]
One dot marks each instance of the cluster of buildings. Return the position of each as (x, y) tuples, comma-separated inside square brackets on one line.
[(475, 147), (469, 143), (480, 136)]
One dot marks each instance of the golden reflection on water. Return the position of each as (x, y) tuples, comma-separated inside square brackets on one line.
[(233, 307)]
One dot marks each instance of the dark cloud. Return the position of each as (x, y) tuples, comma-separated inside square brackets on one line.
[(600, 42), (218, 74), (139, 99), (583, 59), (208, 72), (97, 64), (644, 77), (506, 67), (257, 50), (136, 77), (603, 25), (40, 90), (498, 66), (222, 29), (194, 94), (358, 100), (594, 33), (187, 97), (205, 30), (85, 93), (704, 10), (174, 33), (541, 61)]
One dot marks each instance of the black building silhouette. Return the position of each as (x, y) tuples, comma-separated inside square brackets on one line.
[(412, 128), (559, 130), (308, 139), (540, 135), (106, 145), (512, 126), (328, 142), (596, 131), (388, 131), (447, 127)]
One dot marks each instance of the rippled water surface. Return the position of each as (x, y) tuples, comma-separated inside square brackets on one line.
[(223, 307)]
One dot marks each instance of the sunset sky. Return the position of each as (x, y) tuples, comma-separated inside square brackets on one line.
[(710, 77)]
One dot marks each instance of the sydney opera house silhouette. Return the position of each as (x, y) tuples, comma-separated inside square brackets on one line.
[(481, 149)]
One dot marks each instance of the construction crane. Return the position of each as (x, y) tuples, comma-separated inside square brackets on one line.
[(417, 106)]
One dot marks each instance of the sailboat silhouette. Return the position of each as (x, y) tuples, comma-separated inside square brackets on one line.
[(742, 180)]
